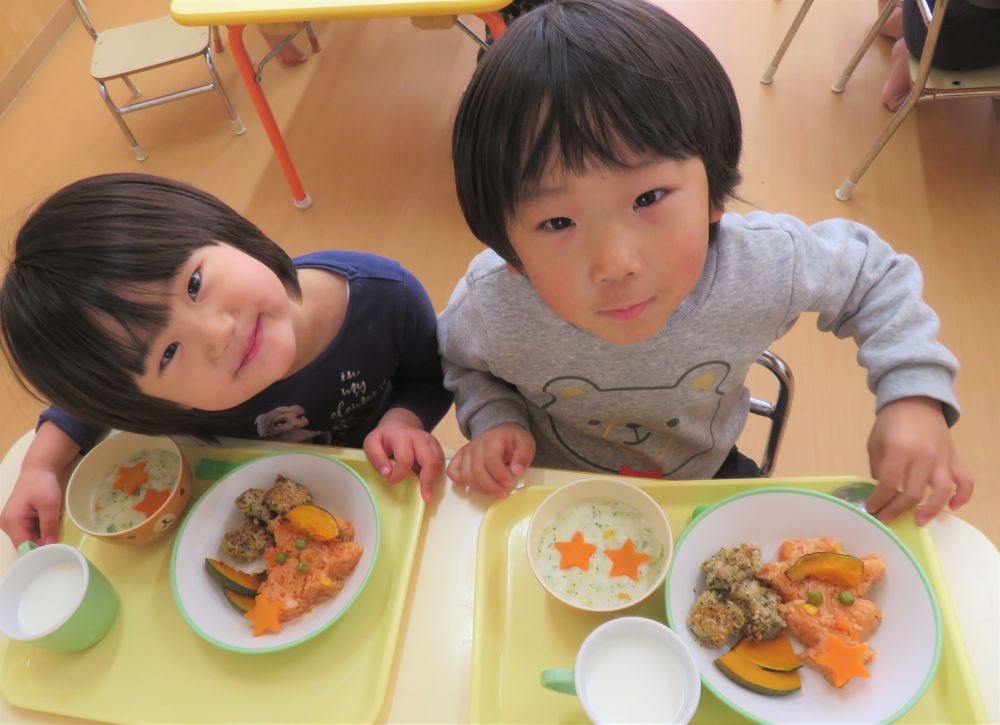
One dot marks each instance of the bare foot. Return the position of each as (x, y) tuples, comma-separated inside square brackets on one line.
[(893, 28), (290, 54), (898, 84)]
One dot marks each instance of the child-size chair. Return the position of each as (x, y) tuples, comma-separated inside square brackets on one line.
[(777, 411), (929, 83), (122, 51)]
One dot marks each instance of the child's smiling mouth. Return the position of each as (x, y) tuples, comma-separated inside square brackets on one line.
[(629, 312), (253, 345)]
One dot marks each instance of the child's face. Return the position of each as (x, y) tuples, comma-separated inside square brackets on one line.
[(615, 251), (230, 333)]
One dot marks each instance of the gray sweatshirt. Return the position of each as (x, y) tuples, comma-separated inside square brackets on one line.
[(673, 406)]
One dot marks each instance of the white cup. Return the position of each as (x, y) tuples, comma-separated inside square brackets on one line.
[(631, 670)]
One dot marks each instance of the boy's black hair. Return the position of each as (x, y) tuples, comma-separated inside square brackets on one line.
[(577, 81), (76, 306)]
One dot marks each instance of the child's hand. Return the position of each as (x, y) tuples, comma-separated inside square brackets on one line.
[(32, 511), (492, 462), (400, 436), (911, 452)]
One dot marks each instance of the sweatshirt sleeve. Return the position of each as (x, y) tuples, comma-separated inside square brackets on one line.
[(482, 401), (417, 383), (83, 434), (863, 289)]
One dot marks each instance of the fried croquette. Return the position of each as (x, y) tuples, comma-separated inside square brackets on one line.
[(714, 620), (285, 495), (251, 503), (249, 542), (729, 566), (761, 605)]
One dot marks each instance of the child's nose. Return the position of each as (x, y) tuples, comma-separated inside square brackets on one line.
[(217, 332), (616, 259)]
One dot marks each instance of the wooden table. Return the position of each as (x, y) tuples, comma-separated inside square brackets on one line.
[(237, 14)]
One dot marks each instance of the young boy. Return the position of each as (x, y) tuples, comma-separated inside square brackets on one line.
[(613, 323)]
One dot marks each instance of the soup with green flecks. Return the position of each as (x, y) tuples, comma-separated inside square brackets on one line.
[(133, 490)]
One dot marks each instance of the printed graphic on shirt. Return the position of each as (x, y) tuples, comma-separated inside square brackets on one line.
[(643, 425), (355, 405), (288, 423)]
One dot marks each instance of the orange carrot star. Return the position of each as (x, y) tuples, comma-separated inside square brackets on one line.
[(152, 501), (843, 660), (575, 552), (626, 560), (131, 477), (265, 616)]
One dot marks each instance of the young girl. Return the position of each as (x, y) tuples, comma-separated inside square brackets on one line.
[(141, 303)]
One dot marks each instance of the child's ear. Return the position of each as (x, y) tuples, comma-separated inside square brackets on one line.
[(716, 214)]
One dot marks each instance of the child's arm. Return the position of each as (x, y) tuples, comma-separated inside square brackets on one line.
[(863, 289), (33, 509), (418, 399), (491, 412), (400, 436), (911, 452)]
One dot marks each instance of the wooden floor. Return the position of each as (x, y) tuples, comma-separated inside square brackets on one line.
[(368, 121)]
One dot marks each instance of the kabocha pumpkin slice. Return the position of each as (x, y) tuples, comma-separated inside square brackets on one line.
[(315, 522), (241, 602), (746, 674), (842, 570), (235, 580), (775, 654)]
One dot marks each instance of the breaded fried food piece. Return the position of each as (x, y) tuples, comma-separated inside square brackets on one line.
[(714, 620), (761, 605), (729, 566), (247, 543), (251, 503), (285, 495)]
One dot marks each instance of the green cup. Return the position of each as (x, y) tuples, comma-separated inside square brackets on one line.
[(55, 598)]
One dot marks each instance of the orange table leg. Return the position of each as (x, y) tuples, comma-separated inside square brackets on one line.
[(301, 198), (494, 21)]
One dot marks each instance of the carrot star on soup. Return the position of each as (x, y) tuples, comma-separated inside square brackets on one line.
[(152, 501), (626, 560), (575, 552), (131, 477)]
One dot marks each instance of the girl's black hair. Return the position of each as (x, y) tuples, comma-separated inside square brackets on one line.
[(576, 81), (76, 309)]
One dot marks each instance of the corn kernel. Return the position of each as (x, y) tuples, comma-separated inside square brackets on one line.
[(810, 609)]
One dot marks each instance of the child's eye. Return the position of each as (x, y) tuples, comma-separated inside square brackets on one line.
[(168, 355), (194, 284), (556, 224), (649, 198)]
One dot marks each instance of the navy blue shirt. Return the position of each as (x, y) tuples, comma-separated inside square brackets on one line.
[(384, 355)]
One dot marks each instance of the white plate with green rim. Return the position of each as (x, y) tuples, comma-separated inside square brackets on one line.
[(199, 598), (907, 642)]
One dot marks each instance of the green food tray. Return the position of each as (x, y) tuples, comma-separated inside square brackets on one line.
[(151, 667), (518, 630)]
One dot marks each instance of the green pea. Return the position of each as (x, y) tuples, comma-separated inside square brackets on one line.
[(303, 567), (846, 598), (282, 557), (300, 543), (814, 598)]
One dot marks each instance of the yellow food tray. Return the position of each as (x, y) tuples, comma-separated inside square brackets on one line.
[(518, 630), (151, 667)]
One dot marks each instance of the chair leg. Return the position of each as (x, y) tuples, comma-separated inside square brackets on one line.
[(847, 188), (132, 88), (838, 87), (773, 67), (140, 155), (217, 39), (237, 123), (313, 40)]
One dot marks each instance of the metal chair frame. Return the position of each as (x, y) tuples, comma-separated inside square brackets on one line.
[(102, 42), (928, 83), (777, 411)]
